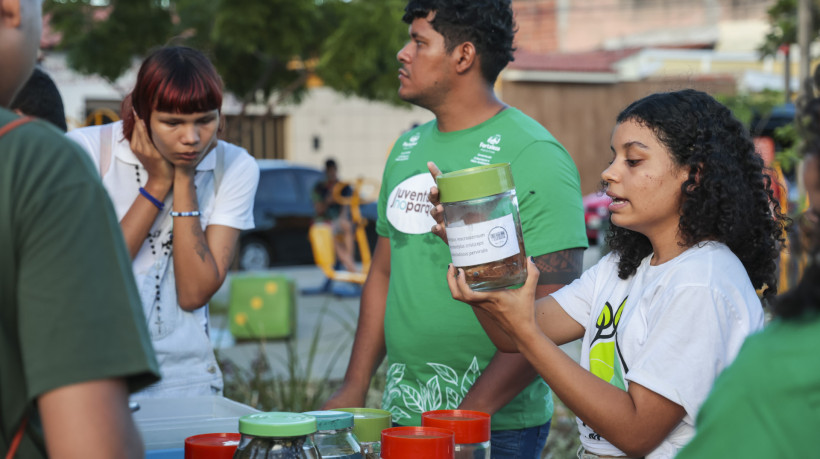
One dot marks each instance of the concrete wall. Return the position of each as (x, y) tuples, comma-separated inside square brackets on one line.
[(583, 25), (77, 89), (538, 27), (356, 132)]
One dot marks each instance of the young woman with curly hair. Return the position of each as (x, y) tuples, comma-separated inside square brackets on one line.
[(696, 231), (766, 401)]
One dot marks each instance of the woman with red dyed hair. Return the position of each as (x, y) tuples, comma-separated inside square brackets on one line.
[(182, 196)]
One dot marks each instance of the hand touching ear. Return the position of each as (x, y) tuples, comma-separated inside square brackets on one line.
[(158, 168)]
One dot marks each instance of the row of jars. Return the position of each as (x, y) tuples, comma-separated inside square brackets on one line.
[(349, 433)]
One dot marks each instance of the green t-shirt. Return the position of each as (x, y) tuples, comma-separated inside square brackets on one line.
[(69, 307), (435, 345), (766, 404)]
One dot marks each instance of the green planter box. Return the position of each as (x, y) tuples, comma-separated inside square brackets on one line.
[(262, 306)]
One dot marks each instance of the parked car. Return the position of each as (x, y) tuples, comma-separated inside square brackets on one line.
[(596, 213), (283, 212)]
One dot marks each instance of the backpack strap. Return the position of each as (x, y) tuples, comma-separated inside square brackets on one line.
[(105, 148), (14, 124), (219, 167), (18, 436)]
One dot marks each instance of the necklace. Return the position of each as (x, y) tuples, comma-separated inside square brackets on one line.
[(156, 244)]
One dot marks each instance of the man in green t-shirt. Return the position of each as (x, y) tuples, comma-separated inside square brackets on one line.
[(439, 356), (73, 340)]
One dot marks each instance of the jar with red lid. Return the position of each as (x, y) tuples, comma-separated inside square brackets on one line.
[(417, 442), (471, 429), (211, 446)]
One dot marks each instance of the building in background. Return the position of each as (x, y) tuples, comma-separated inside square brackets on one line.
[(547, 26), (579, 62)]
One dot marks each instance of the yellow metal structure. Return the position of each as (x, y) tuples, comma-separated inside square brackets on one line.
[(97, 117)]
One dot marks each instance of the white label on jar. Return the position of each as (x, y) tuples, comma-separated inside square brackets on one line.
[(483, 242)]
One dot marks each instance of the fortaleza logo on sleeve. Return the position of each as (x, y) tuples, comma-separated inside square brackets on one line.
[(408, 145), (408, 207), (488, 148)]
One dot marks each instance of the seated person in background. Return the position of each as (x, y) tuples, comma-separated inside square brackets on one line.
[(40, 98), (337, 215)]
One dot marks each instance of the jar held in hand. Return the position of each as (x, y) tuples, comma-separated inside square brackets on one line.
[(483, 225)]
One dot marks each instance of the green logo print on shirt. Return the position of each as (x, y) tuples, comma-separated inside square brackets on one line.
[(605, 360)]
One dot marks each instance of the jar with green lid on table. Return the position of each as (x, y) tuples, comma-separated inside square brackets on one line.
[(334, 436), (368, 424), (277, 435)]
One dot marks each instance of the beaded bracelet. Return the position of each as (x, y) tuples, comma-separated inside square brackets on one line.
[(159, 204), (194, 213)]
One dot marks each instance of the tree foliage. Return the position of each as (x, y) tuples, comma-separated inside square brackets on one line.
[(783, 26), (351, 64), (261, 48)]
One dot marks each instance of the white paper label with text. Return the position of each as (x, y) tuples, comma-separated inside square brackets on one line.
[(483, 242)]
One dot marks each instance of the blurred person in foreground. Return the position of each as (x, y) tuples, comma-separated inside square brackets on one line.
[(335, 214), (73, 342), (439, 357), (767, 403), (40, 97)]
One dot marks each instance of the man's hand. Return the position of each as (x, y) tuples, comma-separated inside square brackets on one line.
[(438, 210)]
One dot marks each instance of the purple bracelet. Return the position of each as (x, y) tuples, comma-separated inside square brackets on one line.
[(154, 201)]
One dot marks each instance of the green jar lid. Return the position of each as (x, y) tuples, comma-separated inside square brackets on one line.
[(277, 424), (368, 423), (332, 420), (475, 182)]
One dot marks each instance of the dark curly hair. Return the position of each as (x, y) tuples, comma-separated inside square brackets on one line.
[(726, 198), (487, 24)]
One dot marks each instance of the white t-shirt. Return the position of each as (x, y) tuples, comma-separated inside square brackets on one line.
[(180, 338), (671, 328)]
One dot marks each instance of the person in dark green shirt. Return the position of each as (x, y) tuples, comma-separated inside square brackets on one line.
[(73, 342)]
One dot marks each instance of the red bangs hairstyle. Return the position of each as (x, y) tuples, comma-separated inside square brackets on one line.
[(174, 79)]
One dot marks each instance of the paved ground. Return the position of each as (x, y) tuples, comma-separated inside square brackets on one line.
[(333, 318)]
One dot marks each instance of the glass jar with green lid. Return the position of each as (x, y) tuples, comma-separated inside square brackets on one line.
[(368, 424), (334, 435), (276, 435), (483, 225)]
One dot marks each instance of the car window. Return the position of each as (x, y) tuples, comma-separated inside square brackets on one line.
[(278, 186), (308, 180)]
